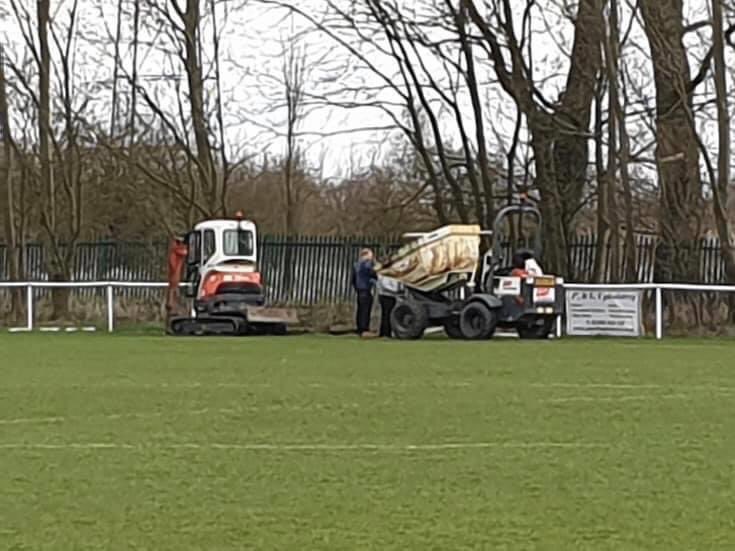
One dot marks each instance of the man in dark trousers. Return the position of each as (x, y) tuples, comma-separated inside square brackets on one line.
[(388, 290), (363, 281)]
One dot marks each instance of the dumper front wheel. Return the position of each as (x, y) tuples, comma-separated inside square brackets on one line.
[(409, 320), (536, 329), (477, 321), (452, 328)]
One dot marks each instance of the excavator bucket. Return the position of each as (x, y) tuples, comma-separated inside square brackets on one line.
[(268, 315)]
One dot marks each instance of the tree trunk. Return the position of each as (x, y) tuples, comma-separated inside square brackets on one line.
[(8, 179), (195, 79), (570, 147), (134, 78), (611, 67), (677, 153), (116, 69), (49, 214), (602, 181), (631, 252), (473, 87), (720, 187), (44, 117), (552, 199), (618, 115)]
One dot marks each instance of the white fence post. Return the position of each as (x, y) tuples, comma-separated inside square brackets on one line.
[(110, 308), (659, 315), (29, 307)]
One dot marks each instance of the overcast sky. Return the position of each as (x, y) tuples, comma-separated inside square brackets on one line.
[(255, 39)]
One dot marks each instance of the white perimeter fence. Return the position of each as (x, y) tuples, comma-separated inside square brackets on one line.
[(111, 286), (108, 286)]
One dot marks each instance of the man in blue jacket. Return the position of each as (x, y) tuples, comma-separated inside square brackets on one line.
[(363, 281)]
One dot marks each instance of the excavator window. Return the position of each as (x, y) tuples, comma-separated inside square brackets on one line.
[(208, 245), (238, 243), (194, 245)]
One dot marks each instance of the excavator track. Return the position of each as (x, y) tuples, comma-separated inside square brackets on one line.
[(207, 326)]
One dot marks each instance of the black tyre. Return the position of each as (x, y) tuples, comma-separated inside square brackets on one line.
[(538, 329), (279, 330), (477, 321), (409, 320), (201, 327), (452, 329)]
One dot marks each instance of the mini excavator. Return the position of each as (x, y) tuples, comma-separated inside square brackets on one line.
[(218, 260)]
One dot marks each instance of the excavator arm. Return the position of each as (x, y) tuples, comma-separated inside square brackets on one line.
[(177, 253)]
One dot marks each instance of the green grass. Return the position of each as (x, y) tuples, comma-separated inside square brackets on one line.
[(153, 443)]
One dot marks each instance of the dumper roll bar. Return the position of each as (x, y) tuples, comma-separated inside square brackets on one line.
[(519, 209)]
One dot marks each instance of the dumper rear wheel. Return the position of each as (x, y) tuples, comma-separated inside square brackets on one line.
[(409, 320), (477, 321)]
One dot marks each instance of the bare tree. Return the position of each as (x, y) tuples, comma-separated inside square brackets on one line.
[(14, 194), (182, 148), (431, 89), (559, 130), (59, 111), (294, 66), (721, 186)]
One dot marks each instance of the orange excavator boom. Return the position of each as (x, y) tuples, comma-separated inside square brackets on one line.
[(177, 253)]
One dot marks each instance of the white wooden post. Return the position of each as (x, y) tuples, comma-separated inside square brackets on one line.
[(659, 315), (110, 308)]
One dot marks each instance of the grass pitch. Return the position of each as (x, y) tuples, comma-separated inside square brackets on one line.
[(332, 443)]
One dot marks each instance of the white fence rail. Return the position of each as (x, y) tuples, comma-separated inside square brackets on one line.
[(110, 286)]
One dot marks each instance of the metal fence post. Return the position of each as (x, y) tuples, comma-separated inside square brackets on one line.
[(29, 307), (659, 315), (110, 308)]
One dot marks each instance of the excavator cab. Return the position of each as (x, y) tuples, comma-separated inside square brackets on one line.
[(224, 283), (222, 260)]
